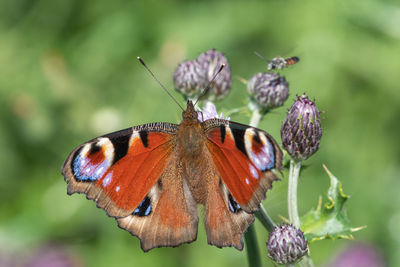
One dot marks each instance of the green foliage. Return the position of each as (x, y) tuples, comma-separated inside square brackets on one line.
[(329, 220)]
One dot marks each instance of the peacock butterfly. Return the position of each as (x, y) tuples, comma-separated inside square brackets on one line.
[(151, 178)]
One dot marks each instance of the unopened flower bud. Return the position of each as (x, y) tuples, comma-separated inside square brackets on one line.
[(211, 61), (286, 244), (189, 79), (301, 131), (269, 90)]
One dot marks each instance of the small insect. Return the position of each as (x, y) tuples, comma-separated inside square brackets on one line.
[(278, 63)]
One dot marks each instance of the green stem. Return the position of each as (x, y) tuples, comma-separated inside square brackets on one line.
[(264, 218), (253, 254), (255, 118), (294, 172), (292, 192), (306, 262)]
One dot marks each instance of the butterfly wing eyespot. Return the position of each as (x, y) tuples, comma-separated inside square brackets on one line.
[(92, 160), (233, 205), (260, 151), (244, 157)]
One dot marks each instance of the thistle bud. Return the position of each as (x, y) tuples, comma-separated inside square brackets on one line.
[(269, 90), (301, 131), (211, 61), (286, 244), (189, 79)]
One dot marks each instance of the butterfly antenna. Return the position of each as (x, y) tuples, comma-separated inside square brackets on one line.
[(260, 56), (208, 87), (162, 86)]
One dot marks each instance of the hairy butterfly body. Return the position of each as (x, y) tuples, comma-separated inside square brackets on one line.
[(152, 177)]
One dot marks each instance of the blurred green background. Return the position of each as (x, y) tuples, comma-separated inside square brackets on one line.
[(68, 73)]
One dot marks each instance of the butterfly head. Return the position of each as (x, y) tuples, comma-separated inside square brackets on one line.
[(189, 114)]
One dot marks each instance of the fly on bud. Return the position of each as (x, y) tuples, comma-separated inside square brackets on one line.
[(269, 90), (301, 131), (286, 244)]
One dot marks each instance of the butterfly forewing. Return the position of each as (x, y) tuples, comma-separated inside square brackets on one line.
[(108, 168)]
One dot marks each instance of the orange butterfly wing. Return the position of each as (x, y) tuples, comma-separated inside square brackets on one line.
[(244, 156), (118, 170), (135, 176)]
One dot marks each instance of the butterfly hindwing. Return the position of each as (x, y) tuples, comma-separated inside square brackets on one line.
[(245, 157), (168, 216), (224, 220)]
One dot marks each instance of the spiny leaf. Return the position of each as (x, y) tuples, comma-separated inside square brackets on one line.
[(329, 221)]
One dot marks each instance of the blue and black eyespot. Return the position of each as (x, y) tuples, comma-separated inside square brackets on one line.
[(144, 208), (84, 170), (272, 153), (77, 163), (233, 205)]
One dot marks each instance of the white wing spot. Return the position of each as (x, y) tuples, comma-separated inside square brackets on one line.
[(117, 188), (107, 180), (83, 161), (247, 181), (99, 171), (253, 171)]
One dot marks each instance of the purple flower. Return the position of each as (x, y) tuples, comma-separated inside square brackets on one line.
[(360, 255), (209, 111), (52, 256)]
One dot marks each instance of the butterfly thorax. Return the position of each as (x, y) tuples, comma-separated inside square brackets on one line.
[(190, 133)]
